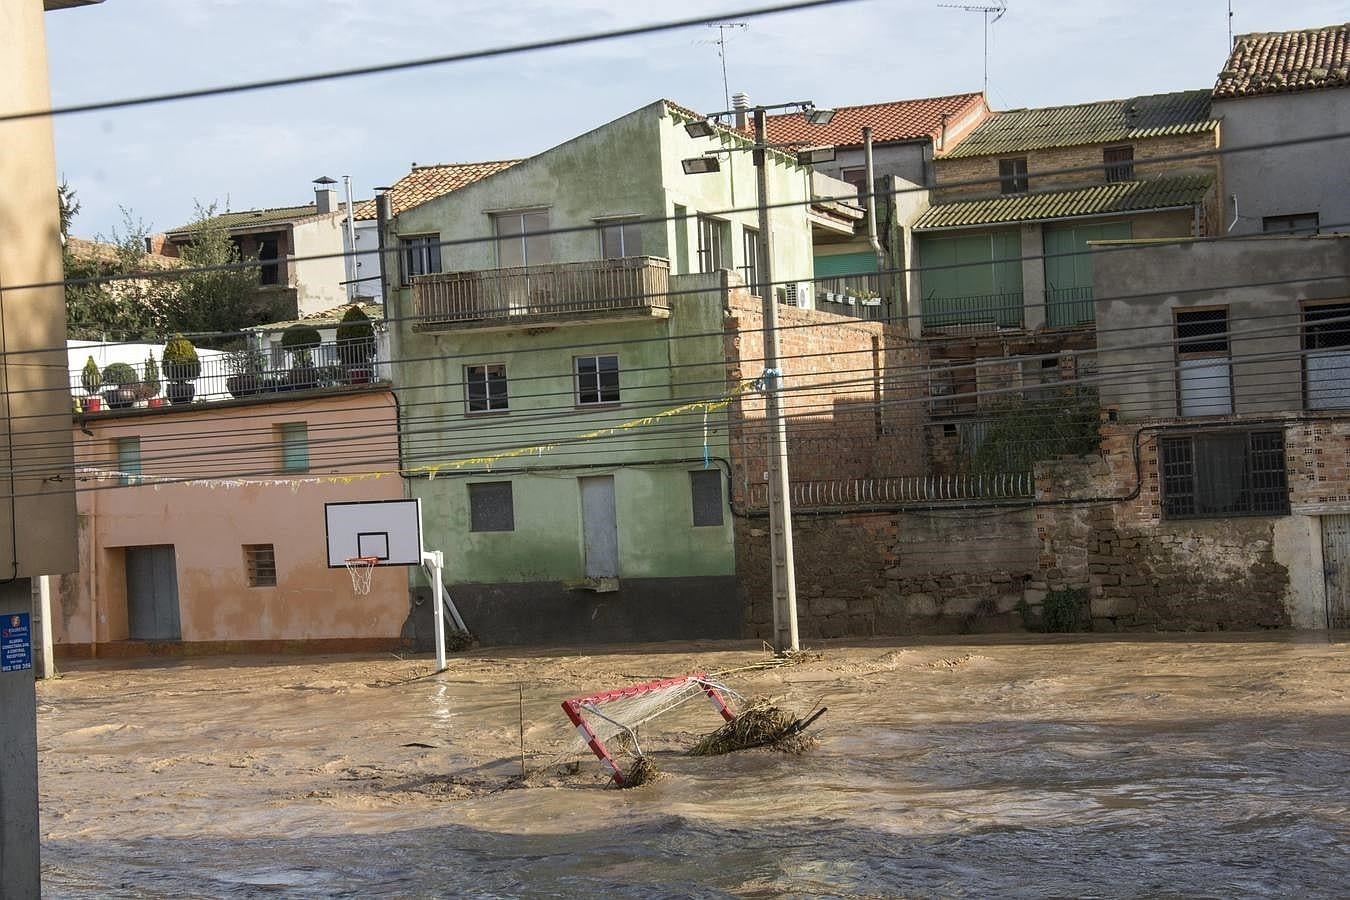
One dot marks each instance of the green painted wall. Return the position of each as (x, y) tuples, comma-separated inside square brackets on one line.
[(630, 166)]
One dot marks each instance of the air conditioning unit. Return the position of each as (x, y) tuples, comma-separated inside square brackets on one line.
[(797, 293)]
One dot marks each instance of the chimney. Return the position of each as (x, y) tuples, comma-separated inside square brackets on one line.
[(740, 101), (325, 194)]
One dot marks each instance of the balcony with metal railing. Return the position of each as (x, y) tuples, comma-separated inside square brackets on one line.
[(558, 294), (974, 314)]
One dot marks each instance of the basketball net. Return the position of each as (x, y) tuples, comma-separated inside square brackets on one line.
[(361, 568)]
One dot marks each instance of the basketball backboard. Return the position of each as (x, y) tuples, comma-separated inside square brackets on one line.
[(389, 530)]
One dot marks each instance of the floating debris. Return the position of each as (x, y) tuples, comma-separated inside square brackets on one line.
[(643, 771), (759, 724)]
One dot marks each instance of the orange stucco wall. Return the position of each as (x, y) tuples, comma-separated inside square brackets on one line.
[(242, 498)]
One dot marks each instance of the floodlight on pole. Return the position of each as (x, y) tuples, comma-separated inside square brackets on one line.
[(701, 165), (810, 156), (815, 116), (699, 128)]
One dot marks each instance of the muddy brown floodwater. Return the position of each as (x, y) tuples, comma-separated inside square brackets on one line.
[(1078, 767)]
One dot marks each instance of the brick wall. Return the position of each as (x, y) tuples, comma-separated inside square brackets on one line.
[(852, 396), (950, 173)]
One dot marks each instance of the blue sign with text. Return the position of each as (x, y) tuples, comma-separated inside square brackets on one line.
[(16, 643)]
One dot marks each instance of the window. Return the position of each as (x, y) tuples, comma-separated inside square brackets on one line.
[(711, 244), (1119, 163), (522, 239), (750, 247), (620, 238), (268, 272), (491, 507), (705, 488), (1229, 474), (1012, 175), (1299, 223), (293, 438), (597, 379), (128, 459), (858, 178), (1326, 357), (260, 562), (681, 218), (1203, 366), (421, 256), (485, 388)]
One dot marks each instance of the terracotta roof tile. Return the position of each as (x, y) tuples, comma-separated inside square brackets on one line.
[(1283, 61), (425, 183), (897, 120), (1132, 118), (1101, 199)]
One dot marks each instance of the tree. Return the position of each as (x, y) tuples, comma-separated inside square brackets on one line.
[(113, 290), (215, 293)]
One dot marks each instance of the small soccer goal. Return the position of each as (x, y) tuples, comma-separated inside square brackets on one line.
[(599, 718)]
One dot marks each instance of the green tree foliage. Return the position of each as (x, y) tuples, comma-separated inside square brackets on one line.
[(1023, 432), (216, 294), (116, 291)]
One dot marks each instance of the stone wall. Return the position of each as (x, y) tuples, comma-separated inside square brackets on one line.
[(1097, 529), (887, 573)]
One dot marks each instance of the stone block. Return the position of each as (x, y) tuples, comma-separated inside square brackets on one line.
[(827, 606), (920, 605), (961, 606)]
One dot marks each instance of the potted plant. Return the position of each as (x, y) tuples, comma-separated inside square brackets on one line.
[(118, 378), (246, 368), (91, 379), (149, 386), (356, 345), (301, 340), (181, 366)]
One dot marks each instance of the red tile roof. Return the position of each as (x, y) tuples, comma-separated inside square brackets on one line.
[(898, 120), (425, 183), (1284, 61)]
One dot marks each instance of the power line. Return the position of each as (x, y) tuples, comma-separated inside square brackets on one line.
[(405, 65)]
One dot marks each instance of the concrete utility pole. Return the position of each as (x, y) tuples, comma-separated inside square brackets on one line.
[(780, 511)]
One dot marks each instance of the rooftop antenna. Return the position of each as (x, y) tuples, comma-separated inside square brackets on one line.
[(721, 42), (996, 10), (1230, 26)]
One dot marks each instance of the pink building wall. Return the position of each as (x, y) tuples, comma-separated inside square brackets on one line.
[(239, 496)]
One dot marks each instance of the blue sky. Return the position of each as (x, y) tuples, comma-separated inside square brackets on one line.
[(264, 148)]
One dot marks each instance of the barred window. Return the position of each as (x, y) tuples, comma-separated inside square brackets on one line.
[(260, 562), (1326, 357), (1204, 370), (1012, 175), (1225, 474), (1119, 163)]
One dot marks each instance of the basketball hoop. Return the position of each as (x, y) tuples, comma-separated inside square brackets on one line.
[(360, 568)]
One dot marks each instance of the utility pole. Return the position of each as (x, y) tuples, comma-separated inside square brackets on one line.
[(780, 511)]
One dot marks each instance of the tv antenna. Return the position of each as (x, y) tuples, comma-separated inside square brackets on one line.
[(1230, 26), (721, 42), (996, 10)]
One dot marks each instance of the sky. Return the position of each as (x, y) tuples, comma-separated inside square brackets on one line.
[(263, 149)]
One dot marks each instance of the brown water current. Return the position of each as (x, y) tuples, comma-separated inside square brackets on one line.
[(1077, 767)]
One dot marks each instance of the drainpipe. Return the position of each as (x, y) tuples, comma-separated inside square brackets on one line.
[(872, 204), (93, 571), (352, 286), (393, 316)]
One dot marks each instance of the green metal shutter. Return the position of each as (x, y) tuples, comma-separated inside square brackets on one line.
[(1068, 270), (971, 278)]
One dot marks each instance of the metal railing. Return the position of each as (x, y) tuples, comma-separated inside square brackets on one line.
[(563, 289), (982, 312), (238, 374), (1067, 307), (806, 495)]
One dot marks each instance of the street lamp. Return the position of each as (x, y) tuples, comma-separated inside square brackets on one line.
[(785, 637)]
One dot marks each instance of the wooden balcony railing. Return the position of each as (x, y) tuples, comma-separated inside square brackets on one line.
[(630, 284)]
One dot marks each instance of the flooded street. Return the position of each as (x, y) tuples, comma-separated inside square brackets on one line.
[(1217, 766)]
